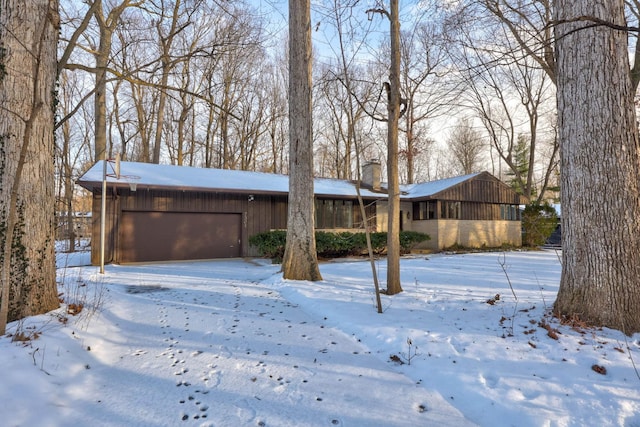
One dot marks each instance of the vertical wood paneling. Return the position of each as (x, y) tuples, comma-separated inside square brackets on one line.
[(483, 188)]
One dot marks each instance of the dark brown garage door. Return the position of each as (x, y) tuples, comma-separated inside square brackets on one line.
[(168, 236)]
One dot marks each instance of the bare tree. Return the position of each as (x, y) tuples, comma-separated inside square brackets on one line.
[(136, 103), (531, 24), (107, 24), (342, 119), (511, 96), (300, 261), (427, 90), (276, 121), (394, 285), (394, 104), (347, 112), (242, 87), (29, 32), (166, 36), (467, 147), (72, 149), (600, 155)]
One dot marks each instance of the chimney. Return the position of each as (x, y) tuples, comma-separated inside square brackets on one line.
[(371, 174)]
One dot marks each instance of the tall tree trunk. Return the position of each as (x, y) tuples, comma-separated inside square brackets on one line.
[(393, 228), (100, 97), (226, 161), (600, 154), (411, 148), (137, 92), (107, 25), (300, 258), (66, 176), (166, 43), (28, 37)]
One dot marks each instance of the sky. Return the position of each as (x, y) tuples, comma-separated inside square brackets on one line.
[(325, 40), (230, 343)]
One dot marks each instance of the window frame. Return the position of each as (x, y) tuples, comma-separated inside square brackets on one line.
[(425, 210), (509, 212), (333, 214), (450, 209)]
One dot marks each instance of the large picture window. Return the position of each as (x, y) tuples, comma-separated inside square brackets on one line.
[(334, 213), (424, 210)]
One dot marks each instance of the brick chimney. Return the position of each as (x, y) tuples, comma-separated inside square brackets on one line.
[(371, 174)]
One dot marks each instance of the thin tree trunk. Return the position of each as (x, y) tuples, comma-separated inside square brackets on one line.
[(157, 144), (410, 144), (107, 25), (352, 118), (600, 154), (393, 230), (67, 178), (137, 93), (166, 43)]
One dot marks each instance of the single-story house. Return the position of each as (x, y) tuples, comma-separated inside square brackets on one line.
[(164, 212)]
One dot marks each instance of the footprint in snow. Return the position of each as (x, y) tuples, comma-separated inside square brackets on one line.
[(245, 412), (489, 381), (212, 378)]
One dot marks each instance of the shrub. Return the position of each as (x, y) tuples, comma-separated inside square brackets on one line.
[(538, 223), (408, 239), (271, 244)]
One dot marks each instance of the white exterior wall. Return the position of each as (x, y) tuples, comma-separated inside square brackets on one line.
[(382, 216)]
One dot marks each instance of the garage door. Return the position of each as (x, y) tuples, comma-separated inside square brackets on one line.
[(169, 236)]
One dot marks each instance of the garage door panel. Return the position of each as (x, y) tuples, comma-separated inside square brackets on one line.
[(165, 236)]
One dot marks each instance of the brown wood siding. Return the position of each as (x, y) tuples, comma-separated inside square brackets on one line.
[(110, 228), (480, 211), (483, 188), (182, 201), (279, 213), (262, 213)]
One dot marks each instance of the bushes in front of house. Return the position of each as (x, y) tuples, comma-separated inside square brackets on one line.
[(538, 223), (271, 244)]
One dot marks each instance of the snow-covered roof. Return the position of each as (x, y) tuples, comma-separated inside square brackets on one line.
[(205, 179), (430, 188), (150, 175)]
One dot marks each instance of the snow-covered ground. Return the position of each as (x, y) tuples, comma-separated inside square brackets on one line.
[(230, 343)]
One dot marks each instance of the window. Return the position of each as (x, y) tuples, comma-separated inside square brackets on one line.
[(509, 212), (424, 210), (450, 210), (334, 214)]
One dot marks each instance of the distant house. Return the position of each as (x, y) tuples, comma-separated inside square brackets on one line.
[(185, 213), (81, 221)]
